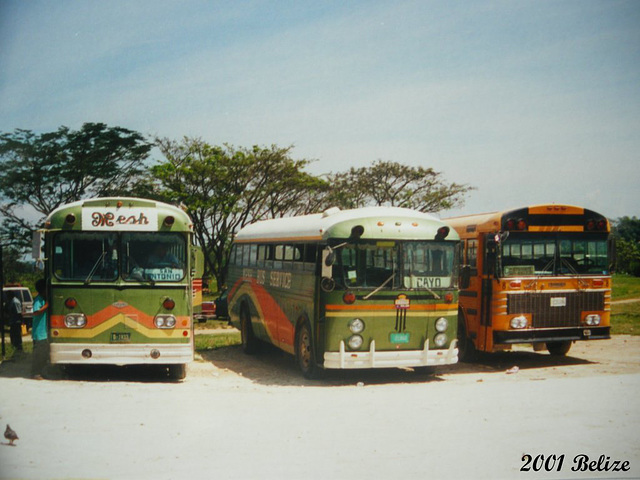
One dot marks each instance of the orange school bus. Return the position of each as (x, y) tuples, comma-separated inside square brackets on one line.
[(536, 275)]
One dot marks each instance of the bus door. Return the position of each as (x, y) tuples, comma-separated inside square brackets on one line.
[(486, 293)]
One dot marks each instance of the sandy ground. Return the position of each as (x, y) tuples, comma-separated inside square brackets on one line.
[(256, 417)]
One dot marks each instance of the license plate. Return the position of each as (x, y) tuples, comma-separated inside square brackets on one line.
[(558, 301), (399, 338), (120, 337)]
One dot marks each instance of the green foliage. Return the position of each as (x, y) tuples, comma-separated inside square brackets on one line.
[(626, 232), (43, 171), (394, 184), (625, 319), (625, 287), (224, 188), (16, 270), (213, 342)]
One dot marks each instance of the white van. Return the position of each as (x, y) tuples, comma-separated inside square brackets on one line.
[(24, 295)]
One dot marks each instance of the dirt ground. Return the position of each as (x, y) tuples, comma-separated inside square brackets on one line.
[(236, 416)]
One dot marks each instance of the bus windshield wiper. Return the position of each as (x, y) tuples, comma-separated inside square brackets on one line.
[(572, 269), (380, 287), (552, 264), (95, 267)]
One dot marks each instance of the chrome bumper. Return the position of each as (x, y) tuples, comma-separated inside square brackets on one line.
[(391, 358), (121, 354)]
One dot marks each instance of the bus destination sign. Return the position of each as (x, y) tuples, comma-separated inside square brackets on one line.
[(123, 218)]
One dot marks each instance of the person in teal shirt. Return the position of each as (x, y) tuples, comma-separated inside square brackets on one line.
[(39, 332)]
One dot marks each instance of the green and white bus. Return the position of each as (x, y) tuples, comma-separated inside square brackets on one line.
[(120, 276), (365, 288)]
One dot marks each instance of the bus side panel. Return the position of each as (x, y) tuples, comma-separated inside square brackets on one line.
[(274, 309)]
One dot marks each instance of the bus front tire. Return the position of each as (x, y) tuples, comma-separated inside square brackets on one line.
[(178, 371), (249, 340), (304, 352), (559, 349)]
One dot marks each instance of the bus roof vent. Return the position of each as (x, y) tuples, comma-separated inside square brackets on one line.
[(330, 211)]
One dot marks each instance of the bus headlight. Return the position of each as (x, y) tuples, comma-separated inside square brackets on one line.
[(75, 320), (440, 340), (442, 324), (592, 319), (518, 322), (355, 342), (356, 325), (165, 321)]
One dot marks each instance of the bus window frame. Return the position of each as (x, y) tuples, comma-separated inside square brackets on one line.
[(77, 235), (127, 277)]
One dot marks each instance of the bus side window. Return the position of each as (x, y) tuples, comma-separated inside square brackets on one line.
[(472, 253), (268, 255), (298, 257), (310, 255), (253, 254), (489, 264), (246, 254), (232, 255), (262, 255), (278, 256)]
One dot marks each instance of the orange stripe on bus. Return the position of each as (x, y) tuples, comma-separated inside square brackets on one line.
[(438, 306), (555, 210), (556, 228), (106, 314)]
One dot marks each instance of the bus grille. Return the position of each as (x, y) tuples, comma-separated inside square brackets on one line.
[(549, 310)]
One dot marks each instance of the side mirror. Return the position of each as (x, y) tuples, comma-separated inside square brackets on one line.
[(330, 258)]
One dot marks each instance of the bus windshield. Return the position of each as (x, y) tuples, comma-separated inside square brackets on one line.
[(82, 256), (154, 256), (535, 254), (395, 265), (103, 256)]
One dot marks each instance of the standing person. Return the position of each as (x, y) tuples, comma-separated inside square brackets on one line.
[(14, 309), (39, 331)]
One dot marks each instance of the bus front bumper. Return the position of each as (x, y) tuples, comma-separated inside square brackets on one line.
[(120, 354), (391, 358), (561, 334)]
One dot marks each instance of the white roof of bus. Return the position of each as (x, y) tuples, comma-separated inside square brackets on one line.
[(81, 203), (314, 226)]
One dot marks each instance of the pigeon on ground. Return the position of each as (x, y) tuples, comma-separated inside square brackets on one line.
[(10, 435)]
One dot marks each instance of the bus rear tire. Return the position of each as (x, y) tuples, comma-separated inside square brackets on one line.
[(249, 340), (466, 350), (305, 357), (559, 349)]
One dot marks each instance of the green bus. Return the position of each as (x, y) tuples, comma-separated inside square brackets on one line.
[(122, 279), (373, 287)]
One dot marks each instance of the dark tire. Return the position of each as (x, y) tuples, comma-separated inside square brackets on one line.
[(178, 371), (249, 340), (305, 352), (559, 349), (466, 350), (426, 371)]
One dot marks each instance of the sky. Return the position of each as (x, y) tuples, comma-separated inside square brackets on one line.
[(529, 102)]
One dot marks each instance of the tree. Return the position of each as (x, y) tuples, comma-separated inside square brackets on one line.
[(44, 171), (223, 188), (393, 184), (626, 232)]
